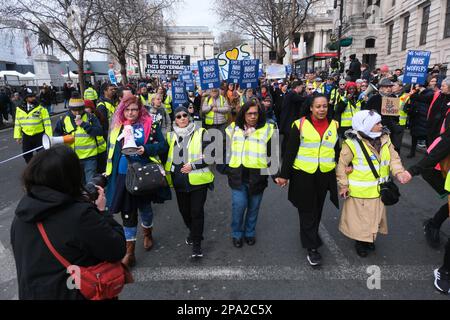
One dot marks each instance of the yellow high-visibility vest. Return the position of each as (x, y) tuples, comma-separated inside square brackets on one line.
[(167, 104), (349, 112), (362, 182), (146, 102), (195, 155), (109, 107), (209, 117), (251, 151), (404, 98), (90, 94), (315, 152), (84, 145), (32, 123), (447, 182)]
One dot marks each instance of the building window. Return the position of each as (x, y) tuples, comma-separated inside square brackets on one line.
[(424, 26), (183, 50), (447, 21), (370, 43), (391, 32), (393, 3), (405, 32)]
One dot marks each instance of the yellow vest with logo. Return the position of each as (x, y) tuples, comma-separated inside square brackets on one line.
[(115, 132), (315, 152), (251, 151), (404, 98), (32, 123), (362, 182), (349, 112), (195, 154), (90, 94), (209, 117), (84, 145)]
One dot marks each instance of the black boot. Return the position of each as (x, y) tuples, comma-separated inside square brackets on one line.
[(197, 250), (361, 249)]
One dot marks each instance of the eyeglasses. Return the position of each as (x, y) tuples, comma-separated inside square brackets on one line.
[(252, 114), (184, 115), (132, 110)]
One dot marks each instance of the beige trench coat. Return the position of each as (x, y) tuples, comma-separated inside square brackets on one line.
[(363, 219)]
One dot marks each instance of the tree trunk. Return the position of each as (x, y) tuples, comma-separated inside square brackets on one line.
[(123, 67), (81, 77)]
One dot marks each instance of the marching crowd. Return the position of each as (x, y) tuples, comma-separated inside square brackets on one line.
[(334, 138)]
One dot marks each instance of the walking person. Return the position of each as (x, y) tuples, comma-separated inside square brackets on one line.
[(249, 152), (152, 144), (159, 114), (309, 167), (32, 121), (364, 214), (189, 175), (216, 111)]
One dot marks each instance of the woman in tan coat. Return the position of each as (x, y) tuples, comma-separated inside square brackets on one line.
[(364, 214)]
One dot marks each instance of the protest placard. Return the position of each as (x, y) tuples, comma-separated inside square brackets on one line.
[(209, 74), (234, 71), (188, 79), (416, 68), (390, 106), (166, 64), (179, 96), (249, 74)]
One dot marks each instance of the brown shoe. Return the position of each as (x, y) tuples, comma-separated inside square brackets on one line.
[(148, 238), (130, 259)]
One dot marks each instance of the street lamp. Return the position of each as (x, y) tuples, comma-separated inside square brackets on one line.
[(203, 49)]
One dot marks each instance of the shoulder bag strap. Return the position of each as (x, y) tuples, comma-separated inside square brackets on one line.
[(63, 261), (369, 161)]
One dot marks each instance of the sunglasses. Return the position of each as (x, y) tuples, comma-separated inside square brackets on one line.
[(184, 115)]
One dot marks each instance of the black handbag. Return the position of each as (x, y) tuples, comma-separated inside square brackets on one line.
[(143, 180), (389, 191)]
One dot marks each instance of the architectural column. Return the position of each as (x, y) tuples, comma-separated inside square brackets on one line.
[(325, 40), (301, 46), (357, 8), (347, 8), (316, 44)]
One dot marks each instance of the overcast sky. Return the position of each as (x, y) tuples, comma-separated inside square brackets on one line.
[(197, 13)]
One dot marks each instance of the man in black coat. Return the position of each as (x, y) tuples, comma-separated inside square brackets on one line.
[(355, 68), (290, 111)]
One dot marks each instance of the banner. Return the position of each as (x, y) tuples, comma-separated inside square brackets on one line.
[(188, 79), (276, 71), (249, 74), (416, 69), (234, 71), (112, 76), (209, 74), (179, 96), (241, 52), (166, 64)]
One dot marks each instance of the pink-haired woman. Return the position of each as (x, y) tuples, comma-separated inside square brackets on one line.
[(151, 143)]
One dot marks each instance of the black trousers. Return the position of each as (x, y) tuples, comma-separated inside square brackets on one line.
[(310, 213), (440, 216), (414, 141), (30, 143), (102, 158), (191, 206), (446, 265)]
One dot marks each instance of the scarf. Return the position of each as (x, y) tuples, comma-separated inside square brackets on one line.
[(184, 132)]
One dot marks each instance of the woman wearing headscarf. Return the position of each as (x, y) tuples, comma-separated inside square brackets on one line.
[(364, 214), (159, 114), (189, 175), (151, 144)]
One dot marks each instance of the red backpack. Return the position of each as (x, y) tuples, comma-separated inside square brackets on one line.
[(100, 282)]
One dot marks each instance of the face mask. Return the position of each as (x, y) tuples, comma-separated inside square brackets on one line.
[(375, 135)]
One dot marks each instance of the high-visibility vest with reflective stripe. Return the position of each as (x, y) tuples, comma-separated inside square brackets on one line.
[(209, 117), (32, 123), (362, 182), (195, 155), (349, 112), (336, 97), (115, 132), (251, 151), (315, 152), (101, 144), (404, 98), (109, 107), (167, 104), (146, 102), (90, 94), (447, 182), (84, 145)]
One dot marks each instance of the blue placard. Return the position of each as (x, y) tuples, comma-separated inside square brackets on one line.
[(416, 69), (112, 76), (209, 74), (188, 78), (234, 71), (288, 69), (179, 96), (249, 74)]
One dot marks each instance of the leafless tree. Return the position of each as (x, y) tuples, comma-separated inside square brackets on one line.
[(71, 24), (230, 39), (271, 22), (123, 20)]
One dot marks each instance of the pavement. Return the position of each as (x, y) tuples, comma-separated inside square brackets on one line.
[(276, 267)]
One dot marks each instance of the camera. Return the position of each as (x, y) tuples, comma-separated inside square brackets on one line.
[(91, 187)]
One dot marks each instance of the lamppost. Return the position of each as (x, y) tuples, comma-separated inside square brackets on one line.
[(68, 71), (203, 41)]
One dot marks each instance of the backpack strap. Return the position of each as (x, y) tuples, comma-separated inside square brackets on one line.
[(49, 245)]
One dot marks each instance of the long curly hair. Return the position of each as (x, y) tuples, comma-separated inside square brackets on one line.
[(119, 116)]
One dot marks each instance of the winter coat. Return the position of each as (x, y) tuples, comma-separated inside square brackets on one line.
[(417, 112), (290, 111), (362, 219), (78, 231), (355, 70)]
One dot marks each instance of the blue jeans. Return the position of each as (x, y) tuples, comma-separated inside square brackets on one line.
[(242, 202), (90, 168), (146, 213)]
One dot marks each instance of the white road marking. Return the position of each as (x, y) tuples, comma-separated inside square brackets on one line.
[(333, 247), (8, 266)]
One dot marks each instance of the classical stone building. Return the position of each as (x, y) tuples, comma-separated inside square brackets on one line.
[(383, 31)]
